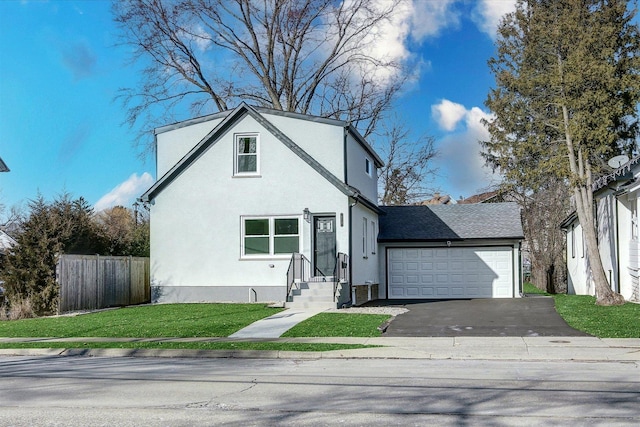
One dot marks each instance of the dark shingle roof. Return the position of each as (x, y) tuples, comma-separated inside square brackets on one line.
[(450, 222)]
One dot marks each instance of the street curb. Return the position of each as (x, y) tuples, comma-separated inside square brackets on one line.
[(370, 353)]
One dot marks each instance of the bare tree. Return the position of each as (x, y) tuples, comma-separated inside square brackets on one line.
[(542, 211), (404, 176), (308, 56)]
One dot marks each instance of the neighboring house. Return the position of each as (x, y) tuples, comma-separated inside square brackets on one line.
[(255, 204), (487, 197), (240, 191), (438, 199), (6, 241), (616, 199), (451, 251)]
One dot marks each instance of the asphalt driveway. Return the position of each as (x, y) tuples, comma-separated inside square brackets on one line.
[(513, 317)]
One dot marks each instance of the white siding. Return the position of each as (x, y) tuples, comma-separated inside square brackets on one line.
[(321, 141), (172, 146), (607, 238), (578, 277), (356, 175), (364, 264)]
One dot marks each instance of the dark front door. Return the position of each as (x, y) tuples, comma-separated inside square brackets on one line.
[(324, 245)]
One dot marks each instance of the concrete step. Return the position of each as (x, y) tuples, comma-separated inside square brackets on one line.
[(315, 291)]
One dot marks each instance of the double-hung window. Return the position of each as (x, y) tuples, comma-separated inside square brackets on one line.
[(270, 236), (247, 155)]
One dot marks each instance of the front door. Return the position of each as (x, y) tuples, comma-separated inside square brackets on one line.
[(324, 245)]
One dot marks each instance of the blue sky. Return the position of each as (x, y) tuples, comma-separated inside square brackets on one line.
[(60, 69)]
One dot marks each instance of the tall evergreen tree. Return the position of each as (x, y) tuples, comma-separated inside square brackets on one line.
[(566, 98), (50, 229)]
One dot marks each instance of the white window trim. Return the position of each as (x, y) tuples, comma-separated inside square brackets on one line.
[(236, 137), (368, 167), (271, 219), (365, 238), (573, 241), (374, 243)]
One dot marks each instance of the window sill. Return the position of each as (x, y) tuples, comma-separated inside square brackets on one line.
[(265, 258), (247, 175)]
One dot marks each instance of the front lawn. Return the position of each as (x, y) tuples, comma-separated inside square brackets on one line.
[(339, 325), (150, 321), (581, 312), (529, 288)]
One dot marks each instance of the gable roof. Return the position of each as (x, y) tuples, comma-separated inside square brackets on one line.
[(299, 116), (6, 241), (450, 222), (219, 131)]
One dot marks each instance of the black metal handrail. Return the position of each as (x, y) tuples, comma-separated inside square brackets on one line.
[(298, 271), (341, 272)]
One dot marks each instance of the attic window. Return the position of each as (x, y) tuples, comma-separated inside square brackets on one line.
[(367, 166), (247, 152)]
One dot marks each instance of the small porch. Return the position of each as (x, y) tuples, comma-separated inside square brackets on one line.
[(317, 288)]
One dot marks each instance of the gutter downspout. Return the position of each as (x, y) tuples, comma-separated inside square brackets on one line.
[(350, 216)]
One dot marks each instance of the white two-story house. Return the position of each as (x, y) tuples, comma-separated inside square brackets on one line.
[(248, 197)]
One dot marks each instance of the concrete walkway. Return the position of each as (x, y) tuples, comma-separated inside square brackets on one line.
[(276, 325)]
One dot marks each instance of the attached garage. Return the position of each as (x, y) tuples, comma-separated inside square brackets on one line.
[(445, 273), (451, 251)]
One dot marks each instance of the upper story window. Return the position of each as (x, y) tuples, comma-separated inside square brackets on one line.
[(247, 154), (367, 167)]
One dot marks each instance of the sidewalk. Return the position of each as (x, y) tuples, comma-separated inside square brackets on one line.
[(461, 348)]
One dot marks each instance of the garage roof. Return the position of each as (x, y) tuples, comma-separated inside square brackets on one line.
[(450, 222)]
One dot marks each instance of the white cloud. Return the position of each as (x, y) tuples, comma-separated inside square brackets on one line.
[(428, 18), (488, 13), (448, 114), (125, 193), (461, 163), (389, 41)]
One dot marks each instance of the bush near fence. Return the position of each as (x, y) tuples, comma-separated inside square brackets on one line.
[(89, 282)]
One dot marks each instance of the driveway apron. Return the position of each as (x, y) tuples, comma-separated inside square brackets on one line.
[(517, 317)]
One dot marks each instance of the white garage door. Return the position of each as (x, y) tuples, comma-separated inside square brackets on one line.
[(442, 273)]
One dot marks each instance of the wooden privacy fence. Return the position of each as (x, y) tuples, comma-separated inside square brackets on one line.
[(91, 281)]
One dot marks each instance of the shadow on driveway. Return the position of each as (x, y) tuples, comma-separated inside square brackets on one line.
[(513, 317)]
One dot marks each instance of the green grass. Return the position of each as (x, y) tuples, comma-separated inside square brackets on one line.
[(529, 288), (225, 345), (581, 312), (152, 321), (339, 325)]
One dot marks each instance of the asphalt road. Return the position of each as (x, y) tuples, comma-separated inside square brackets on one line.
[(56, 391)]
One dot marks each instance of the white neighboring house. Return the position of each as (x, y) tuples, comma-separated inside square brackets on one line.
[(6, 242), (241, 191), (616, 199)]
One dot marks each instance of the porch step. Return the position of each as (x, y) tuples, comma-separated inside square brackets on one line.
[(317, 295)]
